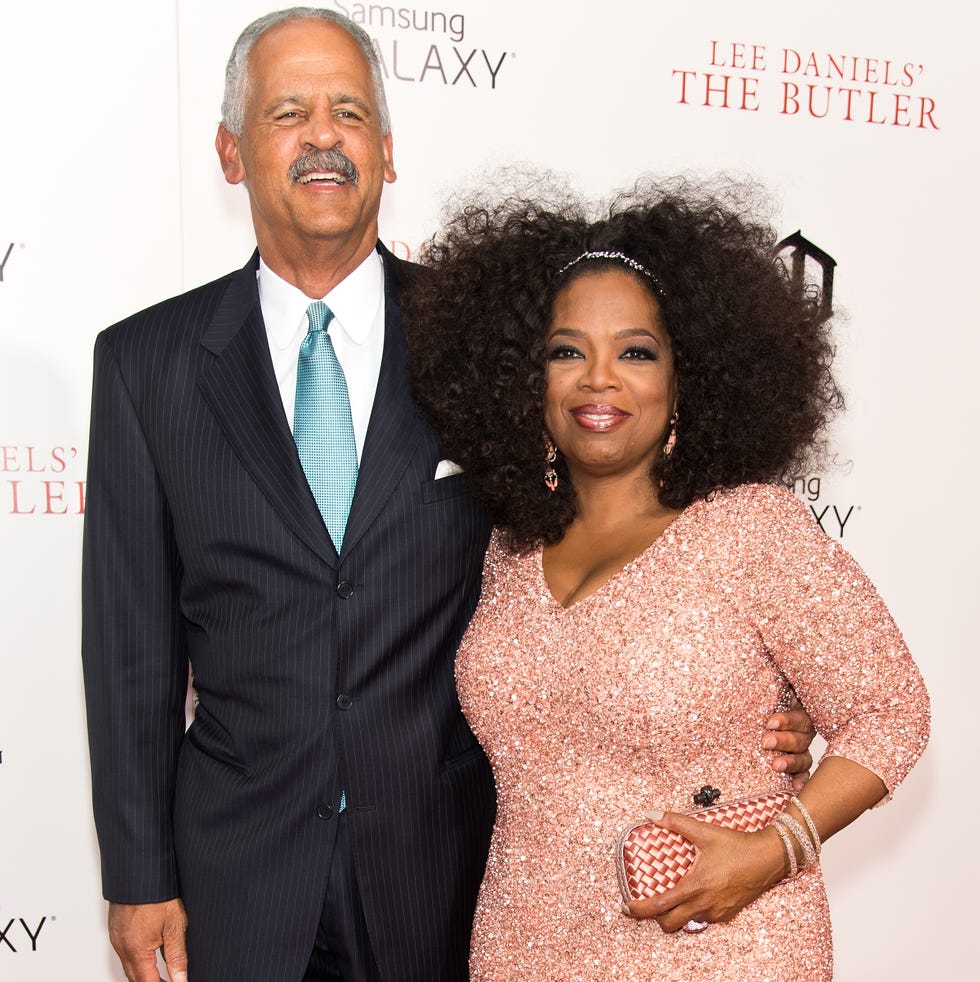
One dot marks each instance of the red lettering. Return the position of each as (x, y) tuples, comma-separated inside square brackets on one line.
[(812, 109), (849, 95), (721, 90), (925, 113), (31, 469), (743, 88), (684, 76), (54, 493), (8, 455), (872, 93), (901, 108), (834, 68), (790, 99), (750, 90), (15, 508), (742, 55)]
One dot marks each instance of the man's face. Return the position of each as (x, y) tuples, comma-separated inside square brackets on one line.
[(309, 104)]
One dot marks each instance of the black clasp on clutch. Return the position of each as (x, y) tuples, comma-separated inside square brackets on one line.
[(707, 796)]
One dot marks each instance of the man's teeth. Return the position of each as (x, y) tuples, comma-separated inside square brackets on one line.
[(321, 176)]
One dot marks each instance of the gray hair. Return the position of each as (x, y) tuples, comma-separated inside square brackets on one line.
[(236, 74)]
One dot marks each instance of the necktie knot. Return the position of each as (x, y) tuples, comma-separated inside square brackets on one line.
[(319, 315)]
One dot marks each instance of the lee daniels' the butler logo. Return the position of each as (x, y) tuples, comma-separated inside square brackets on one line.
[(849, 87), (426, 45), (41, 481)]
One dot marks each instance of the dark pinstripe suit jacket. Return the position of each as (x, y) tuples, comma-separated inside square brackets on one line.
[(315, 672)]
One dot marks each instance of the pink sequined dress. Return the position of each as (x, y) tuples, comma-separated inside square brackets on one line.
[(635, 697)]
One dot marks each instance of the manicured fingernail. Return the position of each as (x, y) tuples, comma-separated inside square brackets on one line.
[(626, 910), (654, 814), (769, 743), (779, 765)]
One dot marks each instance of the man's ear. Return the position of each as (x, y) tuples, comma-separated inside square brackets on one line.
[(389, 171), (226, 143)]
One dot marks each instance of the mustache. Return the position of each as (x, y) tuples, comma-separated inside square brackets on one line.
[(334, 160)]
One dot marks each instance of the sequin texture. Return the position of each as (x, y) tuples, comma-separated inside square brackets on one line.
[(640, 694)]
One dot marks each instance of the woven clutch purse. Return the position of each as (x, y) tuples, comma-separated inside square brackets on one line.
[(650, 859)]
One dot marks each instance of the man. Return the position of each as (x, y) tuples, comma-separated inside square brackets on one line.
[(328, 812)]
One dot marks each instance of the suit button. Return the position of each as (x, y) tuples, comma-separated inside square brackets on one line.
[(345, 590), (344, 701), (324, 811)]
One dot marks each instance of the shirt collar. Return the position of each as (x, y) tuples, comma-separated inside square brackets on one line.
[(354, 301)]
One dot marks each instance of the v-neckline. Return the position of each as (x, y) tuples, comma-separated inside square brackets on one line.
[(657, 543)]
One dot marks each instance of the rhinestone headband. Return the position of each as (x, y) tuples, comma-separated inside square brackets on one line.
[(620, 257)]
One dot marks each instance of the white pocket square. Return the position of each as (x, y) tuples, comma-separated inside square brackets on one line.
[(447, 468)]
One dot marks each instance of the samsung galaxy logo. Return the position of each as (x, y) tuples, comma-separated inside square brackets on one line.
[(405, 18), (19, 935), (6, 259)]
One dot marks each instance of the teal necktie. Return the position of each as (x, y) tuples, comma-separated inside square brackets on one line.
[(322, 425)]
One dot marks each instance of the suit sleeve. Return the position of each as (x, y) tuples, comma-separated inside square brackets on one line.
[(134, 652)]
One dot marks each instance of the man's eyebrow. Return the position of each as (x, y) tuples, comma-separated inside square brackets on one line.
[(286, 100), (353, 100)]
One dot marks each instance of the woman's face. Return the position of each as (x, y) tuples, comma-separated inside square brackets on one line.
[(610, 387)]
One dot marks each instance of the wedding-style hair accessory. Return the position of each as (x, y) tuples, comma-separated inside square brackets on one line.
[(619, 257)]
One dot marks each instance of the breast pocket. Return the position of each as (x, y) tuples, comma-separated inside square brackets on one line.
[(452, 486)]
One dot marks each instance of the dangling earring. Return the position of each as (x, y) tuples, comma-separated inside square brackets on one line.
[(550, 474), (671, 437)]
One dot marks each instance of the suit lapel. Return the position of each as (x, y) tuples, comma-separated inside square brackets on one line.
[(240, 386), (395, 428)]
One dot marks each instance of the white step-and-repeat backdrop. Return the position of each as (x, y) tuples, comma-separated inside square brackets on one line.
[(861, 117)]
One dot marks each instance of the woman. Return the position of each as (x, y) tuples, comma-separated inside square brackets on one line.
[(626, 395)]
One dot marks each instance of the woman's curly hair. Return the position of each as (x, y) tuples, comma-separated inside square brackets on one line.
[(752, 353)]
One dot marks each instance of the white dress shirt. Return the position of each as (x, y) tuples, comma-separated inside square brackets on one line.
[(357, 332)]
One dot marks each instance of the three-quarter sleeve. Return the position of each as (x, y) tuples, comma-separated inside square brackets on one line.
[(826, 627)]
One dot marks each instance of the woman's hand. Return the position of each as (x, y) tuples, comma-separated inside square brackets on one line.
[(731, 870), (734, 868)]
